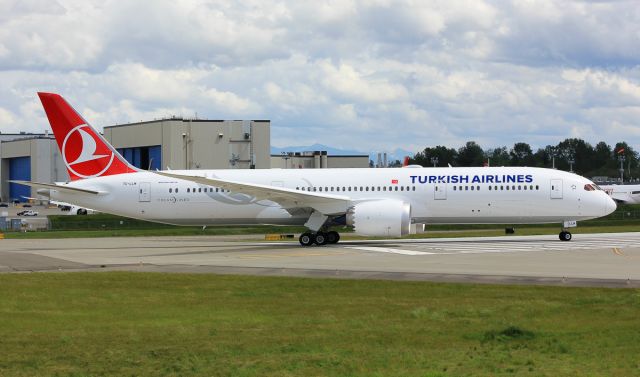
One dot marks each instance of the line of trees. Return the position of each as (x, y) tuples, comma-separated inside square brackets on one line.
[(585, 159)]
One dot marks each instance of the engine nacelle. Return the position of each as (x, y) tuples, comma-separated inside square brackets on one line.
[(386, 218)]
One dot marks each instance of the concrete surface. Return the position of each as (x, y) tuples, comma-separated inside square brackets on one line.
[(611, 260)]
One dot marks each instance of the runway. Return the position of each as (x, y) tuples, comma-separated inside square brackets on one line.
[(611, 259)]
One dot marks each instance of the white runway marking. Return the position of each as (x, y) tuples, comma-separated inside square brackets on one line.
[(388, 250), (436, 247)]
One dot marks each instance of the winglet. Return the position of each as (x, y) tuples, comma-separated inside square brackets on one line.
[(84, 151)]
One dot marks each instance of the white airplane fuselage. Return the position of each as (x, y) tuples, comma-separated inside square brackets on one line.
[(489, 195)]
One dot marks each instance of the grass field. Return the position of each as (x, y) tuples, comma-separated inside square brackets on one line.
[(126, 324)]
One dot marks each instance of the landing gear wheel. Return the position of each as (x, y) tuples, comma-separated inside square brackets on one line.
[(321, 238), (333, 237), (307, 239), (565, 236)]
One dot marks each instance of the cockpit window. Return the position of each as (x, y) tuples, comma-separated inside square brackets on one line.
[(592, 187)]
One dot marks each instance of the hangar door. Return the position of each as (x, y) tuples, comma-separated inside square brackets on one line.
[(19, 169)]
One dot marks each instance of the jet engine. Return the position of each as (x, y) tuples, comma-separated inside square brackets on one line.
[(387, 218)]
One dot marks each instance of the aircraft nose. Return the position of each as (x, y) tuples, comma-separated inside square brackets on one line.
[(610, 205)]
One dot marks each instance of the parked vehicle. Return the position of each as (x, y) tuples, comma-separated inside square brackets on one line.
[(28, 213), (4, 205)]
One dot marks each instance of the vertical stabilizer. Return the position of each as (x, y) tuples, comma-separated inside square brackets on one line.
[(85, 152)]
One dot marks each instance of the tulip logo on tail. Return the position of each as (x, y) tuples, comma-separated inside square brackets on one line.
[(83, 155)]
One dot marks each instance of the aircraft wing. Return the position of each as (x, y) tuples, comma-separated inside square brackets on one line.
[(61, 188), (287, 198)]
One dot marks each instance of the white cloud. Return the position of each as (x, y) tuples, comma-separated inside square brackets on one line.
[(385, 73)]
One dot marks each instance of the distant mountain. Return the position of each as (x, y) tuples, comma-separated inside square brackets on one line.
[(397, 154)]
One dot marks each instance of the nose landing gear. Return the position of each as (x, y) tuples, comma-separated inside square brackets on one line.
[(565, 236)]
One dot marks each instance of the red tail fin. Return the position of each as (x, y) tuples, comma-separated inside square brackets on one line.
[(84, 151)]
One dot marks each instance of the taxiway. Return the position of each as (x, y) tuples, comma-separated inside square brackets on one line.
[(611, 259)]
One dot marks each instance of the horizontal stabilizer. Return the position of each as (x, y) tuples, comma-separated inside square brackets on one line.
[(60, 188)]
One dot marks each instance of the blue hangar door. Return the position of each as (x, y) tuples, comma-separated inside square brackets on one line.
[(19, 169)]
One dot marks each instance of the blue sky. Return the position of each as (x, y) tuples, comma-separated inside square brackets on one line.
[(358, 75)]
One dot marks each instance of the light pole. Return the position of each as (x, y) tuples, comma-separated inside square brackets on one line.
[(621, 159), (285, 157), (571, 162), (186, 159), (434, 161)]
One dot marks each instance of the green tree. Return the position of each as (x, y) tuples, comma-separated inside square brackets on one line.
[(577, 150), (543, 158), (630, 164), (470, 155), (444, 155), (498, 156), (521, 155)]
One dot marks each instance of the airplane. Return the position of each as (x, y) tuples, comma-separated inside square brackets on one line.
[(626, 194), (72, 209), (374, 202)]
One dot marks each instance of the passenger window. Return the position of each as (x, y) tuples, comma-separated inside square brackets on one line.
[(188, 189), (170, 190), (176, 190)]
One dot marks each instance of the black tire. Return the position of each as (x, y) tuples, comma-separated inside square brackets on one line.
[(333, 237), (565, 236), (307, 239), (82, 211), (321, 238)]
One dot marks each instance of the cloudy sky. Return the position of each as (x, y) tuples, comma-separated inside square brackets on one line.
[(363, 75)]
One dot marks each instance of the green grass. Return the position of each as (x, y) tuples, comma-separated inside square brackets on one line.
[(142, 324), (170, 231)]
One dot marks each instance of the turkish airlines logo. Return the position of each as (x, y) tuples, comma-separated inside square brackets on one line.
[(84, 154)]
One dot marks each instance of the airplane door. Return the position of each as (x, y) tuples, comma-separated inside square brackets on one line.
[(556, 189), (145, 192), (440, 191)]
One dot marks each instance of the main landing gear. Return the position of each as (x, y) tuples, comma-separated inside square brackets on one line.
[(565, 236), (319, 238)]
